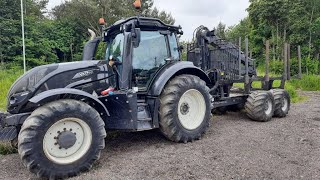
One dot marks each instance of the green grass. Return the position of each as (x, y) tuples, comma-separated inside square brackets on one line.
[(307, 83), (7, 77), (292, 90), (6, 148)]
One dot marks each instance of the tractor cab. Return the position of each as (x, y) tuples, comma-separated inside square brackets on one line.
[(139, 47)]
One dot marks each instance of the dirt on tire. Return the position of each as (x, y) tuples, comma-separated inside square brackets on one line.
[(233, 148)]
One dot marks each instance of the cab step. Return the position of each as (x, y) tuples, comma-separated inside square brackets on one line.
[(144, 116)]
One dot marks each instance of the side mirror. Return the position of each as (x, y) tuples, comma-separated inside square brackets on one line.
[(180, 48), (136, 37)]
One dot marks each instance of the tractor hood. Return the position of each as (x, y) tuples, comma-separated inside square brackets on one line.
[(48, 77)]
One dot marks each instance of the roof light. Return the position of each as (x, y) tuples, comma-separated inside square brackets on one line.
[(102, 21), (137, 4)]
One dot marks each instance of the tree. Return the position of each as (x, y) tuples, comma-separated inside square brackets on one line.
[(242, 30), (315, 33), (10, 27), (165, 17), (221, 30), (282, 21), (87, 12)]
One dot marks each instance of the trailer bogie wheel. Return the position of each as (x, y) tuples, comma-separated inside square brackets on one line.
[(282, 102), (185, 109), (61, 139), (260, 106)]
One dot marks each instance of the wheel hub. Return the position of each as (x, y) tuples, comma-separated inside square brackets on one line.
[(184, 108), (268, 107), (191, 109), (284, 104), (66, 139)]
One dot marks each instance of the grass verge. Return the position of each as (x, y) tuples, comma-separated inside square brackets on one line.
[(7, 77), (307, 83), (7, 148)]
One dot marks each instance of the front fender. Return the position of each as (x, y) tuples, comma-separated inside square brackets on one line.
[(172, 70), (67, 93)]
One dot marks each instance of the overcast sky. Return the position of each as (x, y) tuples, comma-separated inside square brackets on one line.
[(192, 13)]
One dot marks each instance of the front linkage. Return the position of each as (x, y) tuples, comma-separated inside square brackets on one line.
[(9, 131)]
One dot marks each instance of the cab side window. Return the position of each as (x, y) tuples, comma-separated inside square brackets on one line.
[(148, 58), (115, 48), (174, 47)]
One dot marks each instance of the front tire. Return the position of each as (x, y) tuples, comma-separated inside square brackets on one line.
[(61, 139), (185, 109)]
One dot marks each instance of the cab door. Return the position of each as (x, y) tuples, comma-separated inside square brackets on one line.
[(149, 57)]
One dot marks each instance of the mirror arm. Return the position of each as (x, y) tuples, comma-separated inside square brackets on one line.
[(133, 29)]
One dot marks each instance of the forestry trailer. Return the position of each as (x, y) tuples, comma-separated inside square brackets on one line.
[(58, 115)]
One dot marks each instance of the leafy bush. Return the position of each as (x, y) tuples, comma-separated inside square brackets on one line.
[(276, 67), (7, 148), (309, 66), (307, 83), (7, 77)]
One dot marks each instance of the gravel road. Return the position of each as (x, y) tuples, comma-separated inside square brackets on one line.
[(233, 148)]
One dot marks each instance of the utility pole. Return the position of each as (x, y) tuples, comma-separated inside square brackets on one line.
[(23, 42)]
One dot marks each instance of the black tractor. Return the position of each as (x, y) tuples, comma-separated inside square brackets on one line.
[(59, 114)]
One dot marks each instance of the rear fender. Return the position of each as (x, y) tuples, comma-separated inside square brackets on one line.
[(173, 70), (67, 93)]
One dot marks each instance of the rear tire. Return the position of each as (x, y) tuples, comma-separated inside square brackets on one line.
[(282, 102), (185, 109), (260, 106), (61, 139)]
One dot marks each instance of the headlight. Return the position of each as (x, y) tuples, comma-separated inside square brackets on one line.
[(18, 98)]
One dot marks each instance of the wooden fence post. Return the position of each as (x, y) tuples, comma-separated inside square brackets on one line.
[(247, 84), (266, 81), (289, 63), (239, 63), (267, 57), (285, 61), (299, 59)]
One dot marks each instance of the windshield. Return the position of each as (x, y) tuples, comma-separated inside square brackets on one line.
[(115, 47)]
